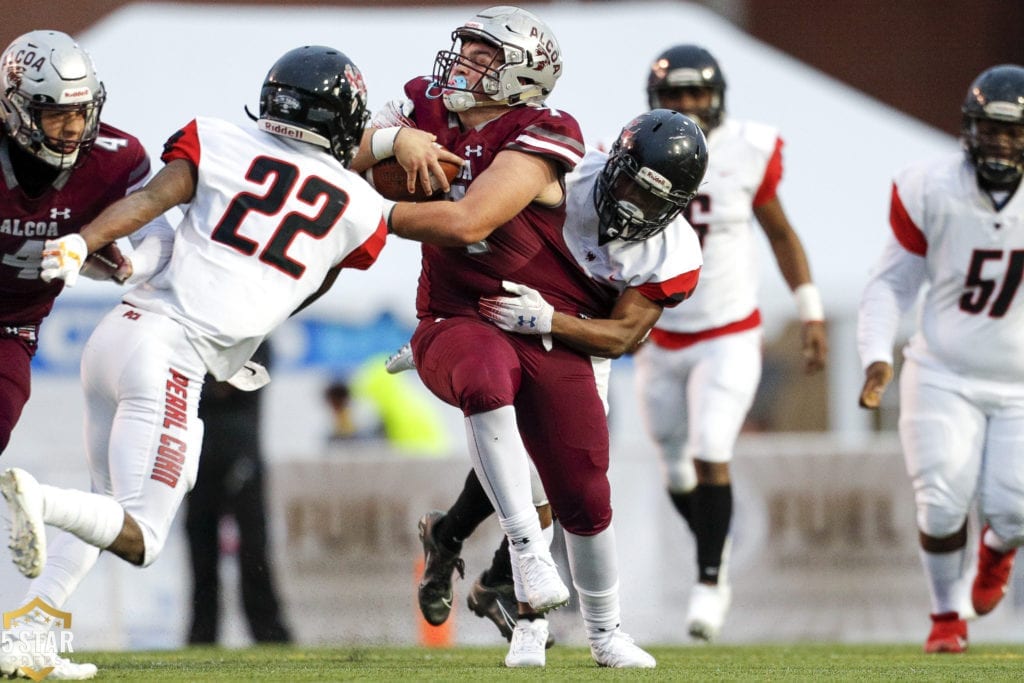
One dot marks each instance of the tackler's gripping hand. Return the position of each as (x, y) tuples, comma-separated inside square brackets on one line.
[(524, 313)]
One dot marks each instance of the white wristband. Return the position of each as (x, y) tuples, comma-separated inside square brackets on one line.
[(808, 303), (382, 142)]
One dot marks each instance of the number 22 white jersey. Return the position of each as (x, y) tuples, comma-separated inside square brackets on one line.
[(269, 219), (948, 234)]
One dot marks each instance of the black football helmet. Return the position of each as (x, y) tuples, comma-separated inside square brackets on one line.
[(653, 170), (688, 66), (995, 151), (317, 95)]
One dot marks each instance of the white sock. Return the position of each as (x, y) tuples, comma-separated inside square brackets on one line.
[(94, 518), (539, 542), (502, 466), (946, 580), (595, 574), (68, 561)]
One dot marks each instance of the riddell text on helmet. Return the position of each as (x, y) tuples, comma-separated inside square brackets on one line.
[(280, 129)]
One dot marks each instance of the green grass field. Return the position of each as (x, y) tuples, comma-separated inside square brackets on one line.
[(815, 662)]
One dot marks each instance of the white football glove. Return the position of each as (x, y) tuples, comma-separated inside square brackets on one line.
[(63, 258), (400, 361), (525, 313)]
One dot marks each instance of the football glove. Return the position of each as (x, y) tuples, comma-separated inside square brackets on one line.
[(63, 258), (525, 313)]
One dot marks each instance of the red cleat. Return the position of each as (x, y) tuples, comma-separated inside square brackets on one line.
[(949, 634), (993, 575)]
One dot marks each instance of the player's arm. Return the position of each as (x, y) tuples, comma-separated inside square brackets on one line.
[(526, 312), (510, 183), (175, 184), (890, 292), (789, 254), (629, 324)]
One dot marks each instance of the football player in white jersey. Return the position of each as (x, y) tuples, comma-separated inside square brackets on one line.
[(958, 227), (271, 214), (699, 371)]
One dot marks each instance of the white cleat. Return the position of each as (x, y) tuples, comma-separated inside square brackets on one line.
[(529, 642), (708, 606), (51, 667), (28, 532), (617, 650), (544, 587), (400, 361)]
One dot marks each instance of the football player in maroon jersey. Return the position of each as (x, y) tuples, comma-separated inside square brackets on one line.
[(60, 167), (519, 394)]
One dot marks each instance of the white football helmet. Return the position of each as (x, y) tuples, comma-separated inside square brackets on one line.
[(532, 61), (45, 71)]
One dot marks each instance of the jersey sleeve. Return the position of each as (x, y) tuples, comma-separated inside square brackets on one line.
[(397, 112), (367, 216), (772, 176), (554, 135), (891, 291), (363, 256), (904, 227), (671, 292), (184, 144)]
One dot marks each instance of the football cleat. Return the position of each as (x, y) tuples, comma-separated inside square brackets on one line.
[(28, 532), (993, 575), (544, 587), (529, 640), (49, 666), (498, 603), (400, 361), (617, 650), (949, 634), (439, 563), (708, 607)]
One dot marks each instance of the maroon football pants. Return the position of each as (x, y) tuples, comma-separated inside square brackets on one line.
[(477, 367)]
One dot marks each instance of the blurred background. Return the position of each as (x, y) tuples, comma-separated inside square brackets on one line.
[(824, 520)]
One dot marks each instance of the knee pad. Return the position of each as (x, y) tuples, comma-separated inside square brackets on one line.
[(680, 474), (939, 520)]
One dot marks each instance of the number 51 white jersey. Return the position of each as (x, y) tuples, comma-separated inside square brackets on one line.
[(972, 316), (269, 219)]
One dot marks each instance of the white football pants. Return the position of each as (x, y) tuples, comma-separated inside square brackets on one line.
[(142, 381), (963, 437), (694, 400)]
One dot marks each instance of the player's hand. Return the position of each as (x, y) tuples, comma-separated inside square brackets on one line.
[(525, 313), (815, 346), (876, 378), (400, 361), (62, 258), (418, 152)]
